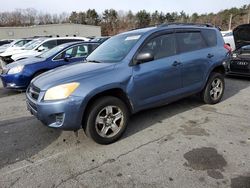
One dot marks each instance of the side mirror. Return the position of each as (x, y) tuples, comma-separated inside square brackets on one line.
[(143, 57), (40, 49), (67, 57)]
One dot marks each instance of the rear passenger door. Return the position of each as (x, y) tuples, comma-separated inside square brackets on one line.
[(194, 58)]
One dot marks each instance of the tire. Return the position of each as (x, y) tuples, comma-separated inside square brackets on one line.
[(106, 120), (214, 89)]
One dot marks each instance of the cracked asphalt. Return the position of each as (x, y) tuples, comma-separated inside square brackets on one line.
[(183, 144)]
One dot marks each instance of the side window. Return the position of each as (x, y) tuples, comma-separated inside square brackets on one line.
[(92, 47), (76, 51), (210, 37), (20, 43), (161, 46), (82, 51), (62, 41), (49, 44), (190, 41)]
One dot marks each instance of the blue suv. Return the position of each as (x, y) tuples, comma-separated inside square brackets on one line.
[(128, 73)]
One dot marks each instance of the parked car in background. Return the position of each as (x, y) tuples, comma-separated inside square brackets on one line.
[(225, 32), (128, 73), (240, 60), (100, 39), (6, 41), (18, 43), (37, 48), (18, 75), (229, 39)]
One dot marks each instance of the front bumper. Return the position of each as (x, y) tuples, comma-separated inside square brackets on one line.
[(15, 81), (232, 73), (62, 114)]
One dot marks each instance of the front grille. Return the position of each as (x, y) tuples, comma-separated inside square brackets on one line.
[(34, 92), (32, 106), (241, 65)]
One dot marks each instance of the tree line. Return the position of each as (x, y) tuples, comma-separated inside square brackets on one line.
[(113, 22)]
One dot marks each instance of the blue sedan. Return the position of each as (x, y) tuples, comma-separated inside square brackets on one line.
[(18, 75)]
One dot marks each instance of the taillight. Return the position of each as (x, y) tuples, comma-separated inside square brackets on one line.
[(228, 47)]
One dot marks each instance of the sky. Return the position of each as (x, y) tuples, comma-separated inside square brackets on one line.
[(59, 6)]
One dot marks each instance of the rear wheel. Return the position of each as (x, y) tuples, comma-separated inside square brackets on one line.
[(214, 89), (107, 120)]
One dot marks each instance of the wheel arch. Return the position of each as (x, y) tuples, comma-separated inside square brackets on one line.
[(219, 69), (40, 71), (115, 92)]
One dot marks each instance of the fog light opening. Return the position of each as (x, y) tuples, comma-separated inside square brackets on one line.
[(59, 119)]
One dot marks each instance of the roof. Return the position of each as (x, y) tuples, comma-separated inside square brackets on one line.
[(78, 42), (167, 26)]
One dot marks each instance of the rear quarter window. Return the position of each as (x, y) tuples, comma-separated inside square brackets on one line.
[(210, 37), (190, 41)]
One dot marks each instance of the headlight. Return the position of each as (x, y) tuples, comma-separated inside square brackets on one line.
[(60, 91), (16, 69)]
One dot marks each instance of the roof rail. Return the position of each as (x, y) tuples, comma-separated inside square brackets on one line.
[(186, 24)]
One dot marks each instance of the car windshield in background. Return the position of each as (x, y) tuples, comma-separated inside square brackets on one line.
[(33, 45), (29, 43), (228, 34), (114, 50), (51, 52)]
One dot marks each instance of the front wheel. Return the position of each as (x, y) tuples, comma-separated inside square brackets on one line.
[(214, 89), (107, 120)]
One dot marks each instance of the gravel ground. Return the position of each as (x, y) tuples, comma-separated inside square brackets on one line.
[(184, 144)]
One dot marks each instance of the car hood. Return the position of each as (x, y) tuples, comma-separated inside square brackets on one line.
[(242, 35), (24, 55), (70, 73), (24, 62), (12, 52)]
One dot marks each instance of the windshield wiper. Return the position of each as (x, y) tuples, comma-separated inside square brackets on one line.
[(93, 61)]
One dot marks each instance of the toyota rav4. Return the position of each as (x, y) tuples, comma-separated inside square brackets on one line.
[(130, 72)]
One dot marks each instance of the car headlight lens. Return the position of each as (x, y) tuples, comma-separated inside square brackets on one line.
[(16, 69), (61, 91)]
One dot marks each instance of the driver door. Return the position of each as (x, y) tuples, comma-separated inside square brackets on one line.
[(71, 55), (157, 81)]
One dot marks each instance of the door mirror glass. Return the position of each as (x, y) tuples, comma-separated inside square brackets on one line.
[(144, 57), (67, 57)]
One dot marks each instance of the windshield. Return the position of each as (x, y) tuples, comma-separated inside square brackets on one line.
[(228, 34), (34, 44), (115, 49), (29, 43), (51, 52)]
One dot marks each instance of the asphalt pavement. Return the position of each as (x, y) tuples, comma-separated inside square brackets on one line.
[(184, 144)]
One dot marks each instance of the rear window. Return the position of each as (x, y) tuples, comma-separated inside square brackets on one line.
[(190, 41), (210, 37)]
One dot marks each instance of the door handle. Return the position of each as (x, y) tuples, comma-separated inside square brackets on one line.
[(210, 55), (176, 63)]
